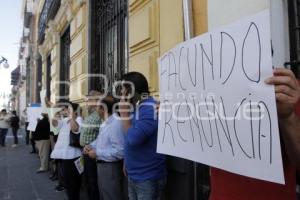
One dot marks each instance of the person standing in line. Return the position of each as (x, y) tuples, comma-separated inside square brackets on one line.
[(32, 142), (145, 167), (68, 154), (29, 137), (58, 162), (107, 149), (15, 125), (42, 138), (25, 120), (4, 126), (88, 133)]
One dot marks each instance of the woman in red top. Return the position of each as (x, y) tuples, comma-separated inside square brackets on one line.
[(228, 186)]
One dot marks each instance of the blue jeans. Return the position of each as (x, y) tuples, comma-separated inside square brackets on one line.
[(3, 132), (147, 190)]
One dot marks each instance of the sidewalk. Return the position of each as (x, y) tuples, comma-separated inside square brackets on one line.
[(18, 177)]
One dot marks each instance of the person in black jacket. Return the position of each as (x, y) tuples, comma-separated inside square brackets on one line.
[(42, 139), (15, 125)]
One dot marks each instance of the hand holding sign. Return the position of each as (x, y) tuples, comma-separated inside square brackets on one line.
[(215, 106), (286, 90)]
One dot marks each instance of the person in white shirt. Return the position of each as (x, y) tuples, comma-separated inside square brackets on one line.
[(4, 126), (71, 121), (108, 149)]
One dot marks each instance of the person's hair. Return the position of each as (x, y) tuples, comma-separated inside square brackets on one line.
[(94, 93), (63, 103), (109, 102), (3, 110), (75, 107), (138, 80), (14, 112)]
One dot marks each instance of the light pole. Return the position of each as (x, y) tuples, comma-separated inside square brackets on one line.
[(5, 62)]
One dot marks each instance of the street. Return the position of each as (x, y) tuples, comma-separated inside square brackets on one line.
[(18, 177)]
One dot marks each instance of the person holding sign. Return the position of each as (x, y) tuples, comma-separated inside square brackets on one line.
[(146, 169), (229, 186), (62, 150)]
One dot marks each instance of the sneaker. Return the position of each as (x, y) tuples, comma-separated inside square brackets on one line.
[(59, 188), (14, 146)]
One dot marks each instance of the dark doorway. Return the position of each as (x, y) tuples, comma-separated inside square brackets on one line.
[(38, 79), (48, 77), (28, 81), (108, 41), (65, 62)]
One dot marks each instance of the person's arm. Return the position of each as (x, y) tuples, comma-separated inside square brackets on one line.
[(90, 150), (287, 91), (74, 123), (124, 110), (89, 147), (48, 102), (144, 126)]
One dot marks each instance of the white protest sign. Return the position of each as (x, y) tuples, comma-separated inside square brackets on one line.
[(51, 113), (33, 113), (32, 126), (215, 107)]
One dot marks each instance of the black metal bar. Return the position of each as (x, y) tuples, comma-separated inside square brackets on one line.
[(48, 77), (292, 64), (297, 37)]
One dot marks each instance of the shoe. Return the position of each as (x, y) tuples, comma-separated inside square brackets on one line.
[(40, 171), (14, 146), (59, 188), (32, 152), (54, 178)]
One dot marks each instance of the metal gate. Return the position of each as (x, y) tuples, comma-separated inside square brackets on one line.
[(38, 88), (294, 24), (65, 62), (48, 77), (108, 41)]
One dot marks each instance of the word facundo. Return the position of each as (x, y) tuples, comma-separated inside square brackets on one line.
[(216, 128)]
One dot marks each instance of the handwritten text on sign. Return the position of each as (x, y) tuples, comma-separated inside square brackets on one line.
[(215, 107)]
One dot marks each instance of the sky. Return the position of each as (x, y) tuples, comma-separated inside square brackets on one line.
[(10, 34)]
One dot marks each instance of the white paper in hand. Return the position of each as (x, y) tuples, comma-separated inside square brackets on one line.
[(79, 165)]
